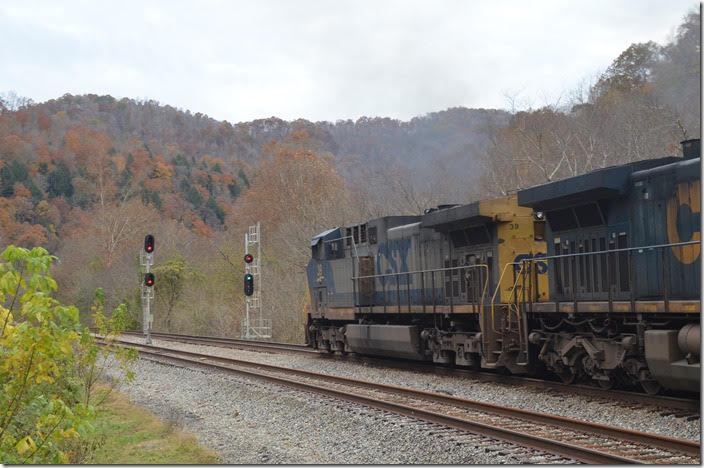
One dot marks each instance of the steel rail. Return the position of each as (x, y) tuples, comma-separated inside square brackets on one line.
[(581, 453), (229, 342), (667, 402)]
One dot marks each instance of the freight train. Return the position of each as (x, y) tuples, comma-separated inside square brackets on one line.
[(591, 278)]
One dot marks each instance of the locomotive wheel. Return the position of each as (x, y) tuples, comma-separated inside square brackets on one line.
[(607, 384), (568, 375), (571, 373), (651, 387), (324, 345)]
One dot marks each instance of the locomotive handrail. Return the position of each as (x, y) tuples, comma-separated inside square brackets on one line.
[(430, 270), (422, 271), (625, 249), (609, 252), (498, 288), (486, 286)]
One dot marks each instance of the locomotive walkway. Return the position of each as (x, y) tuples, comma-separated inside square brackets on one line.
[(568, 438)]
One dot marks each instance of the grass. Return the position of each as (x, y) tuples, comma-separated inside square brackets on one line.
[(129, 434)]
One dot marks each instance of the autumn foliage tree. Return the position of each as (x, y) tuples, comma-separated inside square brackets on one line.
[(296, 193)]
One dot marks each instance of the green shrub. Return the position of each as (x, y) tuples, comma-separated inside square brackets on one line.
[(49, 362)]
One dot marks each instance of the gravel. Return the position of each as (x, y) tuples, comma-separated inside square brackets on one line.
[(250, 422), (568, 405)]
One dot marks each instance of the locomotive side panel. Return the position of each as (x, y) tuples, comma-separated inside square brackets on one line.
[(431, 252), (666, 206), (517, 240), (399, 254), (593, 226)]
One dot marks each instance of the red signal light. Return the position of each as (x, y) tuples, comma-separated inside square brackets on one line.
[(149, 243), (249, 258), (149, 279)]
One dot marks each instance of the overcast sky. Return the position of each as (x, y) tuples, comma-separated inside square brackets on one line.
[(321, 60)]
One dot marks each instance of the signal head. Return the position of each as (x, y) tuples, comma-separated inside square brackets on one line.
[(248, 284), (149, 280), (248, 258), (149, 243)]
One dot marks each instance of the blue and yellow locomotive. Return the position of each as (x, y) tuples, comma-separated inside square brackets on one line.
[(592, 277)]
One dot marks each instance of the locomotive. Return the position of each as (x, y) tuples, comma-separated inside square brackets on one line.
[(592, 278)]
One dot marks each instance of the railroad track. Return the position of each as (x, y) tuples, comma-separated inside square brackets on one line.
[(230, 342), (677, 406), (563, 437)]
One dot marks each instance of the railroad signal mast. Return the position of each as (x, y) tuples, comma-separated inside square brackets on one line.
[(146, 259), (253, 326)]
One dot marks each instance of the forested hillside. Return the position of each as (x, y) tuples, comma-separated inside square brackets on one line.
[(642, 106), (87, 176)]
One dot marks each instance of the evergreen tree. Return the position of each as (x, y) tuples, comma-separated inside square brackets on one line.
[(37, 194), (235, 190), (213, 206), (7, 181), (180, 160), (59, 181), (156, 200), (19, 169), (125, 177), (191, 195), (243, 176), (11, 174)]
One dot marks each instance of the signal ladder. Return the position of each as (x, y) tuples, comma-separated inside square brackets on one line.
[(254, 326)]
